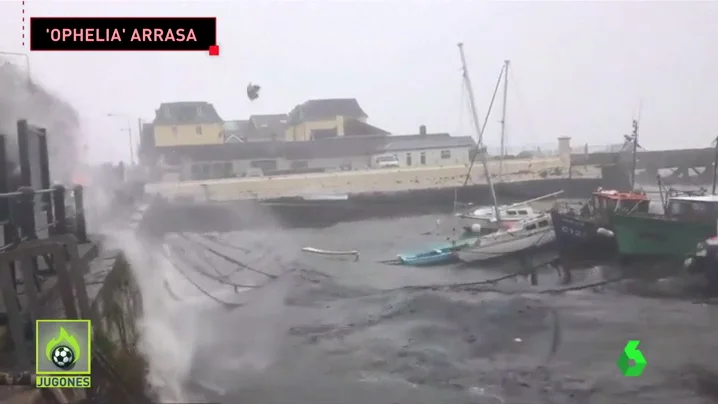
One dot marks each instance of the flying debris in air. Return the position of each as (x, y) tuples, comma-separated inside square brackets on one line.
[(253, 91)]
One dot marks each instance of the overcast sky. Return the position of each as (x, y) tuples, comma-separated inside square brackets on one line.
[(578, 69)]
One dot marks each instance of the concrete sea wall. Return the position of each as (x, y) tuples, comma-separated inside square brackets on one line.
[(361, 181), (172, 216)]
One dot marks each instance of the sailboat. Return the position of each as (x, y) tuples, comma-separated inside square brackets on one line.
[(482, 219), (521, 235)]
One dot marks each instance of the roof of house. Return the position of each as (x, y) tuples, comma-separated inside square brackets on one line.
[(355, 127), (260, 121), (237, 129), (186, 113), (337, 147), (428, 141), (318, 110), (266, 126), (702, 198), (324, 148)]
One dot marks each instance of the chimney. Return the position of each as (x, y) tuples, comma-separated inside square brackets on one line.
[(422, 130)]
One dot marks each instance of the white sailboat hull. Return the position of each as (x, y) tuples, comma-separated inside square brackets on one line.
[(487, 223), (486, 217), (505, 243)]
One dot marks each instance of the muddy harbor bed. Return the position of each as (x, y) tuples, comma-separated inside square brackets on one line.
[(333, 330)]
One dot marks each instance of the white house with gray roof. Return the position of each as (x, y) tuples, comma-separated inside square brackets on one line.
[(438, 149)]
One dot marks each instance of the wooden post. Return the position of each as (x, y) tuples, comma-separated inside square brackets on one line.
[(80, 225), (14, 317), (24, 148), (26, 209), (45, 175), (58, 204)]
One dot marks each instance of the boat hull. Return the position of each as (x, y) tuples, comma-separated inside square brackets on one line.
[(580, 238), (506, 244), (487, 224), (437, 259), (442, 254), (638, 235)]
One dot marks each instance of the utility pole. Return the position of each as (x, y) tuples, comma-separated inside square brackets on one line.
[(477, 127), (139, 130), (128, 128), (503, 117), (715, 165), (635, 154)]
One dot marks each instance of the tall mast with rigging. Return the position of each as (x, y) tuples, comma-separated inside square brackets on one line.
[(503, 117), (634, 137), (479, 132)]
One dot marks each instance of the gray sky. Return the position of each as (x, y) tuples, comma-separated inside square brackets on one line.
[(578, 68)]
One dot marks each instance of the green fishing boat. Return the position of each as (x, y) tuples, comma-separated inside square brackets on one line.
[(687, 221)]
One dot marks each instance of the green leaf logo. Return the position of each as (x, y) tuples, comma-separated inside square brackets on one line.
[(63, 338), (631, 352)]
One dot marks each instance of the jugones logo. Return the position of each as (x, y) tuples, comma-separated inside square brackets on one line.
[(63, 347), (63, 351)]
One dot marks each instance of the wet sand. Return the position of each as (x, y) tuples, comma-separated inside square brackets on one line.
[(337, 331)]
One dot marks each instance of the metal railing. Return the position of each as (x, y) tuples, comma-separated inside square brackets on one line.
[(19, 214), (34, 214)]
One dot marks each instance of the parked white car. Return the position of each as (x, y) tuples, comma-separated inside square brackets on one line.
[(387, 161)]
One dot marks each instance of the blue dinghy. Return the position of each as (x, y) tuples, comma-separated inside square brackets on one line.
[(443, 254)]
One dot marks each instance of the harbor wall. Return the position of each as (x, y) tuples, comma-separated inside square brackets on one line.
[(165, 216), (362, 181)]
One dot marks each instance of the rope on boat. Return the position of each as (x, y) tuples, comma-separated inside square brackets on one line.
[(581, 287), (523, 272), (395, 261)]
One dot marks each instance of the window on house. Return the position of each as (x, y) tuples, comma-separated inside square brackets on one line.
[(174, 130), (264, 165), (199, 129), (446, 154), (422, 158), (297, 165), (222, 170), (408, 159)]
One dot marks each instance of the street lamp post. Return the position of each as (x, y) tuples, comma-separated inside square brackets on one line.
[(129, 136)]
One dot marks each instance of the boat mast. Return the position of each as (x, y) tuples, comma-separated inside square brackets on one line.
[(479, 132), (503, 117), (634, 135)]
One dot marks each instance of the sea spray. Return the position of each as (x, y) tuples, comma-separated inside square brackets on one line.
[(197, 348), (167, 327), (22, 99)]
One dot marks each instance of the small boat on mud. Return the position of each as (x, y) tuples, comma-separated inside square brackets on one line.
[(483, 219), (439, 255), (524, 236)]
